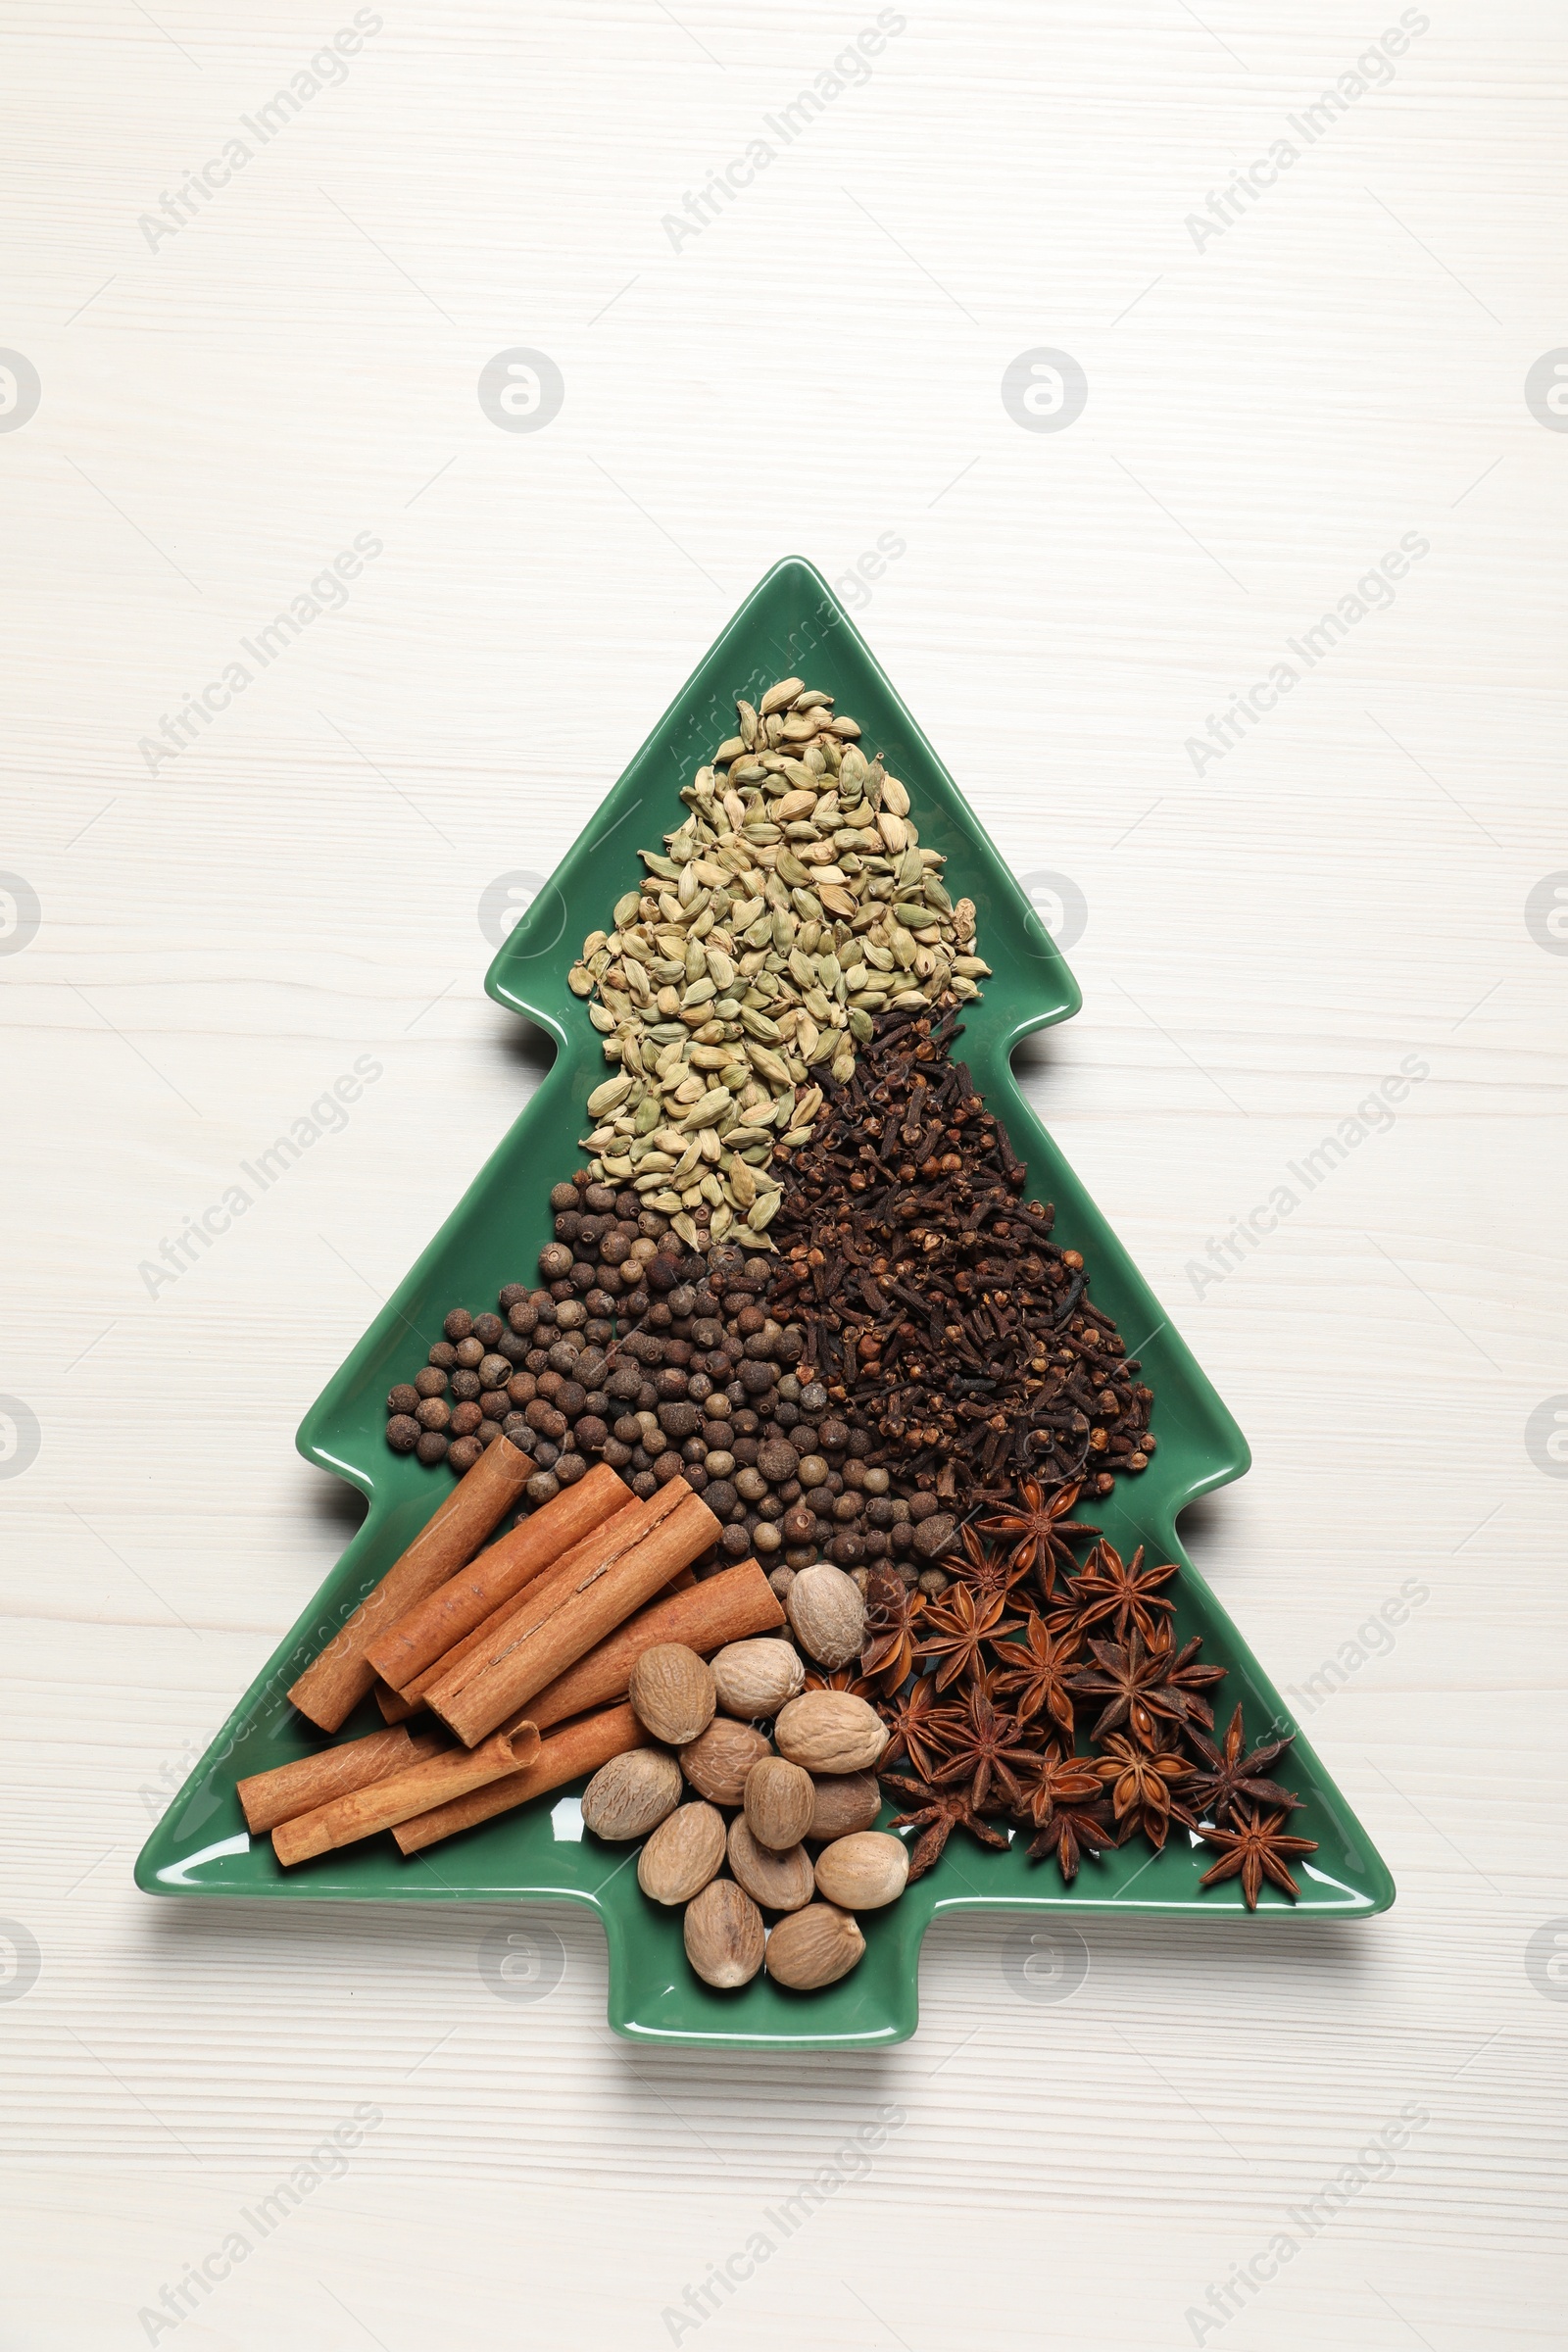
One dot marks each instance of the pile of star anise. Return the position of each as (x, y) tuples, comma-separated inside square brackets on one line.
[(1056, 1695)]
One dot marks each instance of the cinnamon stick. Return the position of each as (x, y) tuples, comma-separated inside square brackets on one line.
[(578, 1749), (289, 1789), (424, 1633), (394, 1707), (329, 1690), (415, 1789), (728, 1608), (543, 1639), (607, 1542)]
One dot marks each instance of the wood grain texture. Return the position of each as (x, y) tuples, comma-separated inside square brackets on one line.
[(1268, 934)]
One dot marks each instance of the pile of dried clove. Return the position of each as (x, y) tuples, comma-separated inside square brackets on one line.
[(934, 1304)]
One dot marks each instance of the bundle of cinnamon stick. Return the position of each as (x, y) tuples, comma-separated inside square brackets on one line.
[(500, 1646)]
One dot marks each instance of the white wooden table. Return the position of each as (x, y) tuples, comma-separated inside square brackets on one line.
[(228, 401)]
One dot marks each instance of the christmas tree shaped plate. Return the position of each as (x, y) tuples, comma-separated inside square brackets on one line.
[(789, 624)]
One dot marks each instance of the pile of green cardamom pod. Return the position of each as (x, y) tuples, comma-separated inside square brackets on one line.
[(793, 904)]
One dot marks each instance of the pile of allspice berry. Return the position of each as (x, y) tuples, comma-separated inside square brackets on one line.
[(766, 1843)]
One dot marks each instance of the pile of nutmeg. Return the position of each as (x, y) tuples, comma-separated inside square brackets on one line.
[(766, 1843)]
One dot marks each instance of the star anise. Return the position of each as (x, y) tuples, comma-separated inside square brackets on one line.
[(1216, 1794), (1035, 1670), (1185, 1675), (911, 1717), (981, 1566), (843, 1678), (1064, 1802), (937, 1813), (892, 1612), (983, 1748), (1040, 1530), (1123, 1591), (956, 1628), (1258, 1847), (1141, 1781), (1132, 1680), (1058, 1778)]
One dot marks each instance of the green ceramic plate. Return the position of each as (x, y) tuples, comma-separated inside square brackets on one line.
[(789, 624)]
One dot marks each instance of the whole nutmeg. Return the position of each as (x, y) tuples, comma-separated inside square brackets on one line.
[(682, 1854), (813, 1948), (827, 1613), (830, 1730), (672, 1693), (779, 1882), (756, 1678), (863, 1872), (724, 1934), (845, 1801), (717, 1764), (779, 1803), (632, 1795)]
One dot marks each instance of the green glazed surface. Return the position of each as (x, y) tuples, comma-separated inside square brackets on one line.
[(789, 624)]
